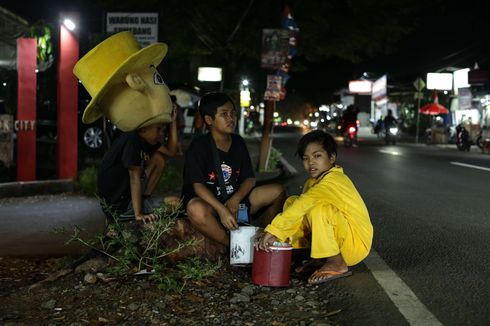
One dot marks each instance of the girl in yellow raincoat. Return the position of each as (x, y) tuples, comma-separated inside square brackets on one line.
[(329, 216)]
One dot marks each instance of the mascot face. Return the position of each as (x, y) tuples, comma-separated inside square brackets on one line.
[(124, 84), (141, 99)]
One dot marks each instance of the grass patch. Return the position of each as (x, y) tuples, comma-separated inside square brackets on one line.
[(140, 247), (87, 181), (171, 181)]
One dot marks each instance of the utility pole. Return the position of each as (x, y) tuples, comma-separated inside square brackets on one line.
[(278, 63), (419, 85), (266, 143)]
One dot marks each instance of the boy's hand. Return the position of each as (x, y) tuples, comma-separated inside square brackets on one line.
[(228, 219), (232, 204), (264, 241), (174, 113), (146, 218)]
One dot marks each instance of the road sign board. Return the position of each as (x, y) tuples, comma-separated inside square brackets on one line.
[(418, 95), (419, 84)]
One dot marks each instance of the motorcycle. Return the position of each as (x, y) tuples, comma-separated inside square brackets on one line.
[(350, 136), (463, 142), (391, 134)]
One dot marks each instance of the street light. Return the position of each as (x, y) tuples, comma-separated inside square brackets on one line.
[(69, 24)]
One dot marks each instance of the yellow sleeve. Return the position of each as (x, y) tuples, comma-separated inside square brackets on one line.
[(336, 189), (289, 221)]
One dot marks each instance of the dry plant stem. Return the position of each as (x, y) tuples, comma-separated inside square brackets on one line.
[(180, 246), (95, 248)]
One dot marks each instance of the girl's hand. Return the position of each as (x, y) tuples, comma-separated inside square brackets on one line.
[(264, 241)]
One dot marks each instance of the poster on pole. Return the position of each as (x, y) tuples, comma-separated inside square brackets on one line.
[(144, 25), (275, 44), (464, 98), (273, 89)]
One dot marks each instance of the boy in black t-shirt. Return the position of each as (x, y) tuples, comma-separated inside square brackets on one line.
[(210, 211), (131, 169)]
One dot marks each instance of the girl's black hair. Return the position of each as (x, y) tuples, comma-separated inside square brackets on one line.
[(209, 103), (317, 136)]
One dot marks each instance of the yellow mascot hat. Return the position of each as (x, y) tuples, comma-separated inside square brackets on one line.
[(109, 63)]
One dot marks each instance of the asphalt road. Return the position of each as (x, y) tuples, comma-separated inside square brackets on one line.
[(431, 215)]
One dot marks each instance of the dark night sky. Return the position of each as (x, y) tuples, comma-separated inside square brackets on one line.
[(48, 11), (457, 34)]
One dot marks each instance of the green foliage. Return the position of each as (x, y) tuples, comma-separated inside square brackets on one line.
[(274, 158), (198, 269), (87, 181), (141, 248), (170, 181), (42, 33)]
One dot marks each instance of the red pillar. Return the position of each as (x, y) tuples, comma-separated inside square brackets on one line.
[(67, 124), (26, 109)]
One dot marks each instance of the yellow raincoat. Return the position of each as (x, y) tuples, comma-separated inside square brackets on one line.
[(330, 216)]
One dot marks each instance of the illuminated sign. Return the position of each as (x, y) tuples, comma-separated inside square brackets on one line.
[(244, 98), (360, 86), (440, 81), (460, 79), (379, 89), (209, 74)]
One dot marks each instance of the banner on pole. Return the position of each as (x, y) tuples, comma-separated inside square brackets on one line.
[(275, 44), (273, 89)]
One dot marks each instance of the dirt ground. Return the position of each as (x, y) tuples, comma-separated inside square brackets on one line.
[(227, 298)]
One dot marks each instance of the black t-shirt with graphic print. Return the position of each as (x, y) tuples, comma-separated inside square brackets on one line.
[(199, 167), (113, 183)]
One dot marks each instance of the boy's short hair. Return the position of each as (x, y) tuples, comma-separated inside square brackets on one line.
[(317, 136), (209, 103)]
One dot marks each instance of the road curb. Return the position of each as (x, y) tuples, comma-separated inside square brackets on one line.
[(39, 187)]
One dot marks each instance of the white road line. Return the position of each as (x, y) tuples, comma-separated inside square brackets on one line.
[(414, 311), (390, 152), (471, 166)]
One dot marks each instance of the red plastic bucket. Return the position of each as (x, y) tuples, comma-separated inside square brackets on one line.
[(272, 268)]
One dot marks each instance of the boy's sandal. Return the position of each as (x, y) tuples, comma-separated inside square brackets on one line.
[(322, 276)]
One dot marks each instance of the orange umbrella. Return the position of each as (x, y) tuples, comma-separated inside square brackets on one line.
[(433, 109)]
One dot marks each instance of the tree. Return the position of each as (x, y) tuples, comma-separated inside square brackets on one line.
[(229, 32)]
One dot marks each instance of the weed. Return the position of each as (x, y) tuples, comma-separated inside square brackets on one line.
[(274, 159), (198, 269), (133, 249), (87, 181)]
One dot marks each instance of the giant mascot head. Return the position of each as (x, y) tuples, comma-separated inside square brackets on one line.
[(124, 83)]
